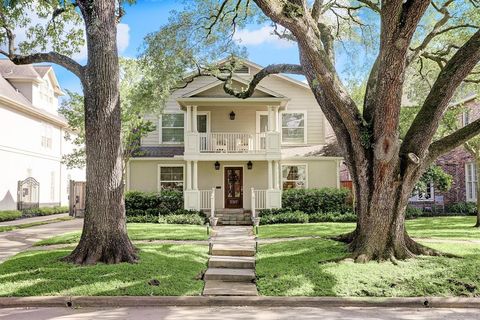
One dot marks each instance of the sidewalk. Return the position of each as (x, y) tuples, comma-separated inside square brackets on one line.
[(13, 242), (34, 219)]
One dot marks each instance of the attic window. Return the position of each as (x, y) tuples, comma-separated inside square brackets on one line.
[(242, 69)]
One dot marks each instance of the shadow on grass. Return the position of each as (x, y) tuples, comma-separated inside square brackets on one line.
[(302, 267), (42, 273)]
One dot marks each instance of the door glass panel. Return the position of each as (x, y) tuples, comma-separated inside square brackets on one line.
[(202, 123), (263, 123)]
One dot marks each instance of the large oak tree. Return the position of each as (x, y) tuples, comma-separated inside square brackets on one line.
[(384, 167), (104, 237)]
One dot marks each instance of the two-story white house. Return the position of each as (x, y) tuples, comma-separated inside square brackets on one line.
[(32, 137), (227, 151), (236, 153)]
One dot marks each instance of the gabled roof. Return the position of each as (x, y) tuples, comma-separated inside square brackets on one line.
[(209, 89), (9, 70)]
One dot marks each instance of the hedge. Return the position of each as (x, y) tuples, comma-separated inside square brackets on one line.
[(157, 203), (46, 211), (464, 208), (10, 215), (286, 217), (193, 218), (317, 200)]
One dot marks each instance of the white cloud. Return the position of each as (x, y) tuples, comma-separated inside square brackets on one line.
[(260, 36), (123, 37)]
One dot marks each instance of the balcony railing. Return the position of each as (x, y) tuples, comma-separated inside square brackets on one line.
[(219, 142)]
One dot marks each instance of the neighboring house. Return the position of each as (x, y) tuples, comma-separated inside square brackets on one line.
[(32, 138), (219, 148)]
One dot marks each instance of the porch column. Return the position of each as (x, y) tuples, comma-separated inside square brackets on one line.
[(270, 177), (189, 175), (270, 119), (277, 175), (276, 120), (194, 119), (195, 175), (188, 128)]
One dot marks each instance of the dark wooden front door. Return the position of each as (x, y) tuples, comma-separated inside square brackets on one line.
[(233, 187)]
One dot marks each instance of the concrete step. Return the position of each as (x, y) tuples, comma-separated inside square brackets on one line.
[(233, 250), (223, 288), (230, 275), (231, 262)]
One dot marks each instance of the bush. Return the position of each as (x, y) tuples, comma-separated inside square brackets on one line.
[(9, 215), (464, 208), (272, 212), (46, 211), (164, 202), (182, 219), (316, 200), (142, 219), (332, 217), (287, 217), (413, 212)]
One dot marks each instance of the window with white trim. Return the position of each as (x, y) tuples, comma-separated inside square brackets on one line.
[(471, 181), (424, 195), (46, 136), (171, 177), (293, 127), (294, 176), (172, 128)]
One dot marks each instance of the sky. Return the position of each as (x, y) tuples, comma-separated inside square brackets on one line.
[(148, 16)]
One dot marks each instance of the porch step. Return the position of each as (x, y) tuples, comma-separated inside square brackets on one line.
[(233, 250), (232, 217), (223, 288), (230, 275), (231, 262)]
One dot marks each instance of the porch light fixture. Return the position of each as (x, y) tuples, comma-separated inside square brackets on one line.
[(249, 165), (217, 165), (232, 115)]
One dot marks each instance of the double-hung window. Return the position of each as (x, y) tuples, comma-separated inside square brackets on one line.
[(471, 181), (294, 176), (424, 195), (293, 127), (46, 136), (171, 177), (172, 130)]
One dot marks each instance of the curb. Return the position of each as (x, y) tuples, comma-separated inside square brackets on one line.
[(236, 301)]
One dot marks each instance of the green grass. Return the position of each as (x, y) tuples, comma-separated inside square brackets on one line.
[(439, 227), (9, 215), (142, 231), (33, 224), (302, 268), (40, 273)]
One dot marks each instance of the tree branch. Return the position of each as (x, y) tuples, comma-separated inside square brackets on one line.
[(453, 140), (455, 71)]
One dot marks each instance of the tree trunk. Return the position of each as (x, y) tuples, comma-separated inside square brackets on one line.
[(104, 237), (477, 163)]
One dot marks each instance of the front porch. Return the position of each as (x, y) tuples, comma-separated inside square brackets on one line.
[(228, 185)]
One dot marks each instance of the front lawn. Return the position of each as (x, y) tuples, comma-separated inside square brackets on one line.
[(142, 231), (438, 227), (40, 273), (302, 268)]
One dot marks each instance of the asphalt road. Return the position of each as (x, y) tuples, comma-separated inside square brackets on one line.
[(210, 313)]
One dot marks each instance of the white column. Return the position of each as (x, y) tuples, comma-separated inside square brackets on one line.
[(194, 119), (189, 175), (276, 120), (189, 118), (195, 175), (270, 119), (270, 177), (277, 175)]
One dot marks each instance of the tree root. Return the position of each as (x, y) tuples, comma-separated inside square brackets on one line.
[(91, 253)]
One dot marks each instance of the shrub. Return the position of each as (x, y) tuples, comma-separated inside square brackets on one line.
[(316, 200), (164, 202), (135, 213), (332, 217), (413, 212), (465, 208), (182, 219), (287, 217), (46, 211), (142, 219), (9, 215), (270, 212)]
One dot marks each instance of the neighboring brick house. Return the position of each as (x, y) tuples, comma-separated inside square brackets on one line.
[(459, 163)]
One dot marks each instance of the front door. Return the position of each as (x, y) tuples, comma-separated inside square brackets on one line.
[(233, 187)]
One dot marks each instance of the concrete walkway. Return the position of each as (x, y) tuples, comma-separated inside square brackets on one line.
[(13, 242), (32, 220), (260, 313), (231, 267)]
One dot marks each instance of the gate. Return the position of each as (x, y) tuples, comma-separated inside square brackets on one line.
[(28, 194), (77, 198)]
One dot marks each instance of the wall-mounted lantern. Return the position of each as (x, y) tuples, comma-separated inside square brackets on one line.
[(249, 165), (232, 115), (217, 165)]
